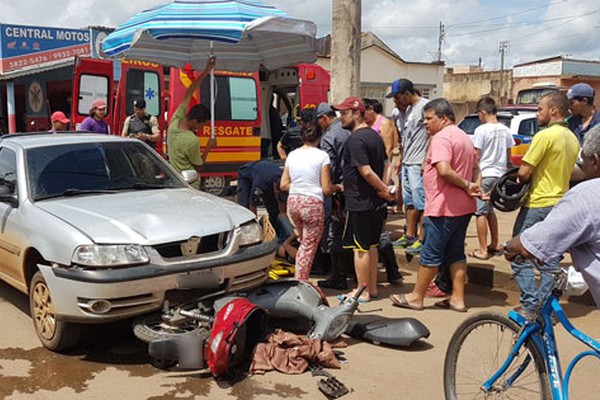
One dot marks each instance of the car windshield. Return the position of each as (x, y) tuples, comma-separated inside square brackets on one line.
[(87, 168), (471, 122)]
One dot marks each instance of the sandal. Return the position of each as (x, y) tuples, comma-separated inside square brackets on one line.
[(476, 254), (495, 252), (342, 297), (445, 304), (399, 300)]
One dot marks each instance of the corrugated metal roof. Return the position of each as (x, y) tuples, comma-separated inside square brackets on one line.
[(36, 69)]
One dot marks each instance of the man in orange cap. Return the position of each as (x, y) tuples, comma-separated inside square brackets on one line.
[(59, 120)]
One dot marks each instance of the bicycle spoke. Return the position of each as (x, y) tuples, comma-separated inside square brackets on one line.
[(481, 348)]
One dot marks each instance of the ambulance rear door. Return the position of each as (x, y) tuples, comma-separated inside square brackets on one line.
[(92, 79)]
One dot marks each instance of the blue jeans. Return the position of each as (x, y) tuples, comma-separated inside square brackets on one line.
[(413, 192), (444, 241), (531, 295)]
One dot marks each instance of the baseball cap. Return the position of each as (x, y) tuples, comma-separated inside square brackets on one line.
[(60, 117), (139, 103), (322, 109), (580, 90), (351, 103), (400, 86), (98, 103)]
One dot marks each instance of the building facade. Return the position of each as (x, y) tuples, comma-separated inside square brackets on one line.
[(380, 66)]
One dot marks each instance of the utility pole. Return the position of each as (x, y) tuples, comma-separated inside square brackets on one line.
[(441, 36), (502, 50), (345, 49)]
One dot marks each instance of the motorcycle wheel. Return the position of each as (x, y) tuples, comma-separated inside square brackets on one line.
[(151, 327)]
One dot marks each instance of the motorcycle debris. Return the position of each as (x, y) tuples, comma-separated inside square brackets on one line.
[(331, 387)]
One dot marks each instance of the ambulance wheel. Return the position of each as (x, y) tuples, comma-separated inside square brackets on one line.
[(217, 185)]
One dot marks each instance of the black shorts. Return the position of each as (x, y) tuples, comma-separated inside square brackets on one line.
[(363, 228)]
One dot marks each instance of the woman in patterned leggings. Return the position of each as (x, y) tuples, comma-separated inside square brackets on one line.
[(307, 177)]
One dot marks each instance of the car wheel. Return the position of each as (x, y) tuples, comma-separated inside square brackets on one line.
[(217, 185), (55, 335)]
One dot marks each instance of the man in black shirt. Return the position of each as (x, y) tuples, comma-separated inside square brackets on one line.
[(364, 169)]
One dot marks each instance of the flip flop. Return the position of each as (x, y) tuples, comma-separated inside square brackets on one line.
[(342, 297), (399, 300), (477, 256), (494, 252), (445, 304)]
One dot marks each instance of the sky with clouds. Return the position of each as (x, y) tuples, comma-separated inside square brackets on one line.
[(534, 29)]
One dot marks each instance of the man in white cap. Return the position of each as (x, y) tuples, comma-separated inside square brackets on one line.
[(583, 113)]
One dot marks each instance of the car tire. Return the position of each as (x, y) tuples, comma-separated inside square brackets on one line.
[(54, 334)]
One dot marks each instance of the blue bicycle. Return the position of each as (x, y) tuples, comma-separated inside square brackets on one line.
[(491, 356)]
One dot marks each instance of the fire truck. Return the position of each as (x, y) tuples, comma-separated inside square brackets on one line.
[(242, 104)]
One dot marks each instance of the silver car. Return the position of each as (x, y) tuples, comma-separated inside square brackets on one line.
[(98, 228)]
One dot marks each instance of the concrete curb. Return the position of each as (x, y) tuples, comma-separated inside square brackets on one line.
[(489, 274), (493, 274)]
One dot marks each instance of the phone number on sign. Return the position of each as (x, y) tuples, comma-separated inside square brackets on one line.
[(42, 58)]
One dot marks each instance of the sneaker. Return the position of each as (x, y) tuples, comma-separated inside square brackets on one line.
[(415, 248), (331, 284), (434, 291), (403, 242)]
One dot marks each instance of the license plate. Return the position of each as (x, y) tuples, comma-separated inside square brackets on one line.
[(204, 279)]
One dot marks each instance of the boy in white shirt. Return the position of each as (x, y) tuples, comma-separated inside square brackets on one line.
[(492, 141)]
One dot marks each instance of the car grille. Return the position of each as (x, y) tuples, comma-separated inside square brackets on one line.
[(208, 244), (248, 281)]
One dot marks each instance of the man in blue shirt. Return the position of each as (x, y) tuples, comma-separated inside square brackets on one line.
[(584, 115)]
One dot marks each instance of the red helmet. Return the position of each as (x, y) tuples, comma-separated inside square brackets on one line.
[(238, 327)]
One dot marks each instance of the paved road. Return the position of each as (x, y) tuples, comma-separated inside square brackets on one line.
[(112, 364)]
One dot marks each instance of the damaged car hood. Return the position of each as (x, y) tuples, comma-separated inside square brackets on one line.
[(147, 217)]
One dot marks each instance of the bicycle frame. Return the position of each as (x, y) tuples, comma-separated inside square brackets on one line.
[(541, 332)]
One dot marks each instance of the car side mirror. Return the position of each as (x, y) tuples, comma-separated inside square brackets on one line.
[(189, 175)]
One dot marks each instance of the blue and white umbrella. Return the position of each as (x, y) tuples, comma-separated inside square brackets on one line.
[(244, 35)]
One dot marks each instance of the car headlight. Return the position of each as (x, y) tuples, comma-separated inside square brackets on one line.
[(109, 255), (251, 233)]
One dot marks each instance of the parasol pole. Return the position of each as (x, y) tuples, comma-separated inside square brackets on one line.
[(212, 95)]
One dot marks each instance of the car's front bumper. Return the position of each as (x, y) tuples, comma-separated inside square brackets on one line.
[(137, 290)]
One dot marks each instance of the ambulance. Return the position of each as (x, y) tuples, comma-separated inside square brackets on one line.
[(243, 101)]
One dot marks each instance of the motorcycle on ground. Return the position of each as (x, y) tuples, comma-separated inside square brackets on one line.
[(220, 332)]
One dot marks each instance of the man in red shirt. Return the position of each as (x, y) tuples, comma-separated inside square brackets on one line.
[(451, 180)]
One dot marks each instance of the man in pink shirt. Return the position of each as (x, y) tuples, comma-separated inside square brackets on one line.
[(451, 181)]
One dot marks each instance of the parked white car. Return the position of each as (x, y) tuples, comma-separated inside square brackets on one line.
[(522, 122), (98, 228)]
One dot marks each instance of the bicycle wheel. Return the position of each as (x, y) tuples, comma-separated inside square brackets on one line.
[(476, 351)]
